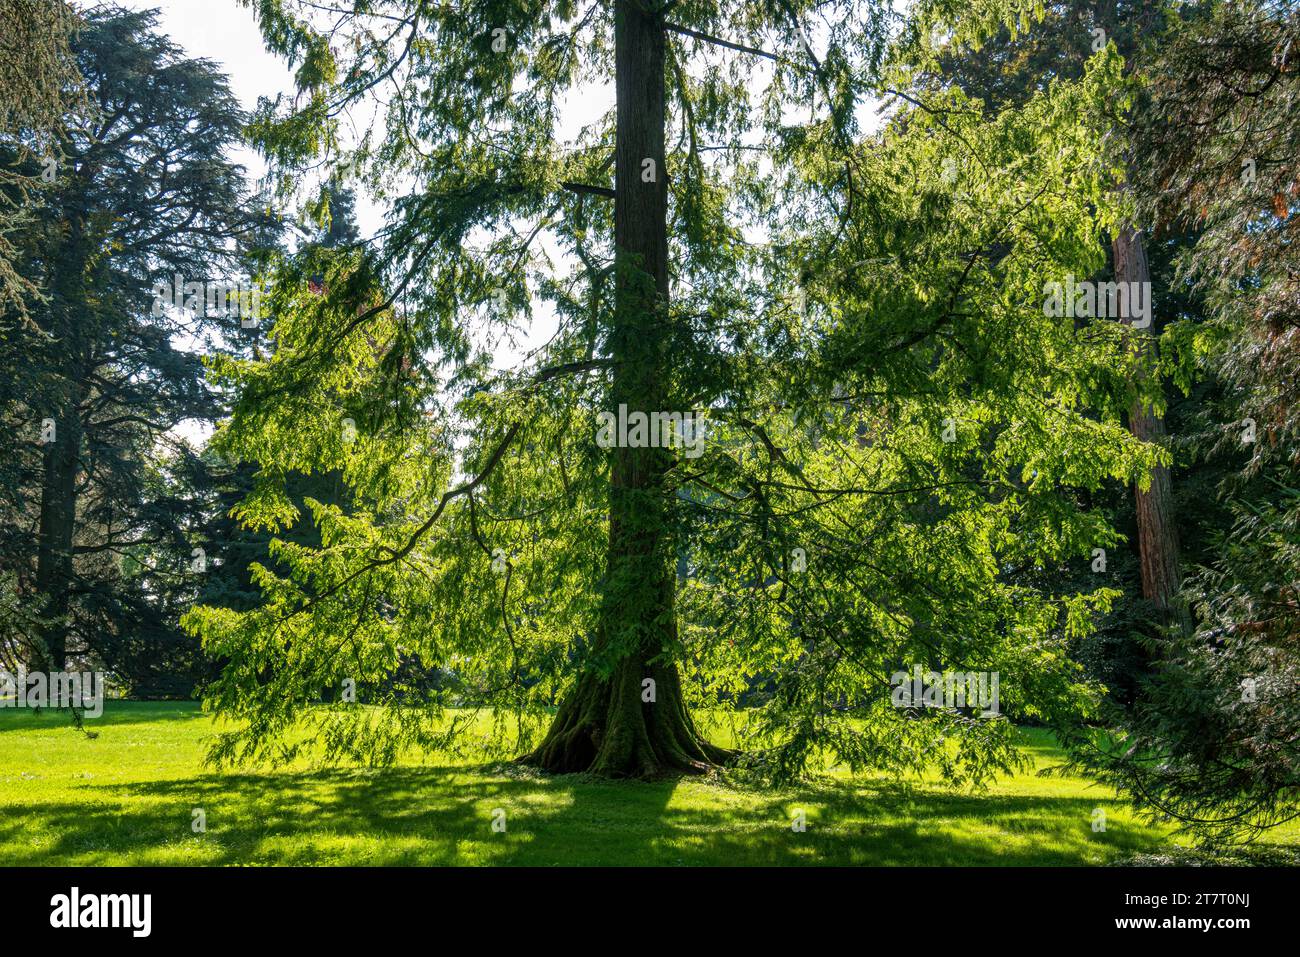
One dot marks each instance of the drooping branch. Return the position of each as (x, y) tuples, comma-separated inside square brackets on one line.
[(464, 489), (505, 587), (588, 189), (397, 554), (718, 41), (570, 368)]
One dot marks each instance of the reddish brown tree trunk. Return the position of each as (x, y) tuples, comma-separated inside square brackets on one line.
[(1157, 535)]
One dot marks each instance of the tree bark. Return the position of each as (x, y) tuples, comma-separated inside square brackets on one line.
[(58, 508), (57, 530), (614, 722), (1157, 534)]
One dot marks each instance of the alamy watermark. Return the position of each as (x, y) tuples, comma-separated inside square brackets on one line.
[(75, 909), (653, 430), (951, 689), (1127, 301), (211, 299), (59, 689)]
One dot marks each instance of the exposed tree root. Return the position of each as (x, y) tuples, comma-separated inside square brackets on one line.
[(606, 728)]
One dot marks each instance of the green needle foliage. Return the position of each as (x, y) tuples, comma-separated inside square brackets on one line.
[(1213, 741), (897, 431), (40, 85), (96, 373)]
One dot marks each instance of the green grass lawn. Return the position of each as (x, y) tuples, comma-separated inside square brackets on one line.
[(127, 797)]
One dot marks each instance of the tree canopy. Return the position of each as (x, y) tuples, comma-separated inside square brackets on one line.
[(894, 420)]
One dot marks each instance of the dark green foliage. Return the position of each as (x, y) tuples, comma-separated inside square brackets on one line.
[(95, 534), (1213, 740)]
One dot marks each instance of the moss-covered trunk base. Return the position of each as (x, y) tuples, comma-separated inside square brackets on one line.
[(607, 727)]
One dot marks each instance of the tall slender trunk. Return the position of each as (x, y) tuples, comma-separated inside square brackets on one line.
[(625, 716), (58, 514), (58, 509), (1157, 535), (1156, 531)]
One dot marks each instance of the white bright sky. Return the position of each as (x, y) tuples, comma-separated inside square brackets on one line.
[(225, 32)]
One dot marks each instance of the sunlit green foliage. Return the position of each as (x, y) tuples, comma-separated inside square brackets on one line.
[(859, 314)]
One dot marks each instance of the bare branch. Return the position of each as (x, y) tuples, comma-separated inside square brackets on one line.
[(718, 41), (589, 190)]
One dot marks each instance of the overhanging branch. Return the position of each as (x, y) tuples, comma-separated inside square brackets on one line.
[(718, 41), (589, 190)]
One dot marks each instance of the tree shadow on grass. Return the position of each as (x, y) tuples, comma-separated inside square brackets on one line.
[(140, 713), (431, 816)]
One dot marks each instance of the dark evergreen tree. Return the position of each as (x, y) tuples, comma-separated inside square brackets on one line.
[(1215, 739), (143, 194)]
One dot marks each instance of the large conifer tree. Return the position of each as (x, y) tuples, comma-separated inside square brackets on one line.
[(140, 193), (894, 420)]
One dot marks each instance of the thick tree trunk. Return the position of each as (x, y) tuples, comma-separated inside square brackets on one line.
[(625, 716), (1157, 535), (606, 727)]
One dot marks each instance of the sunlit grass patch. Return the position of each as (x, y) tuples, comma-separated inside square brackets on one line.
[(128, 796)]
